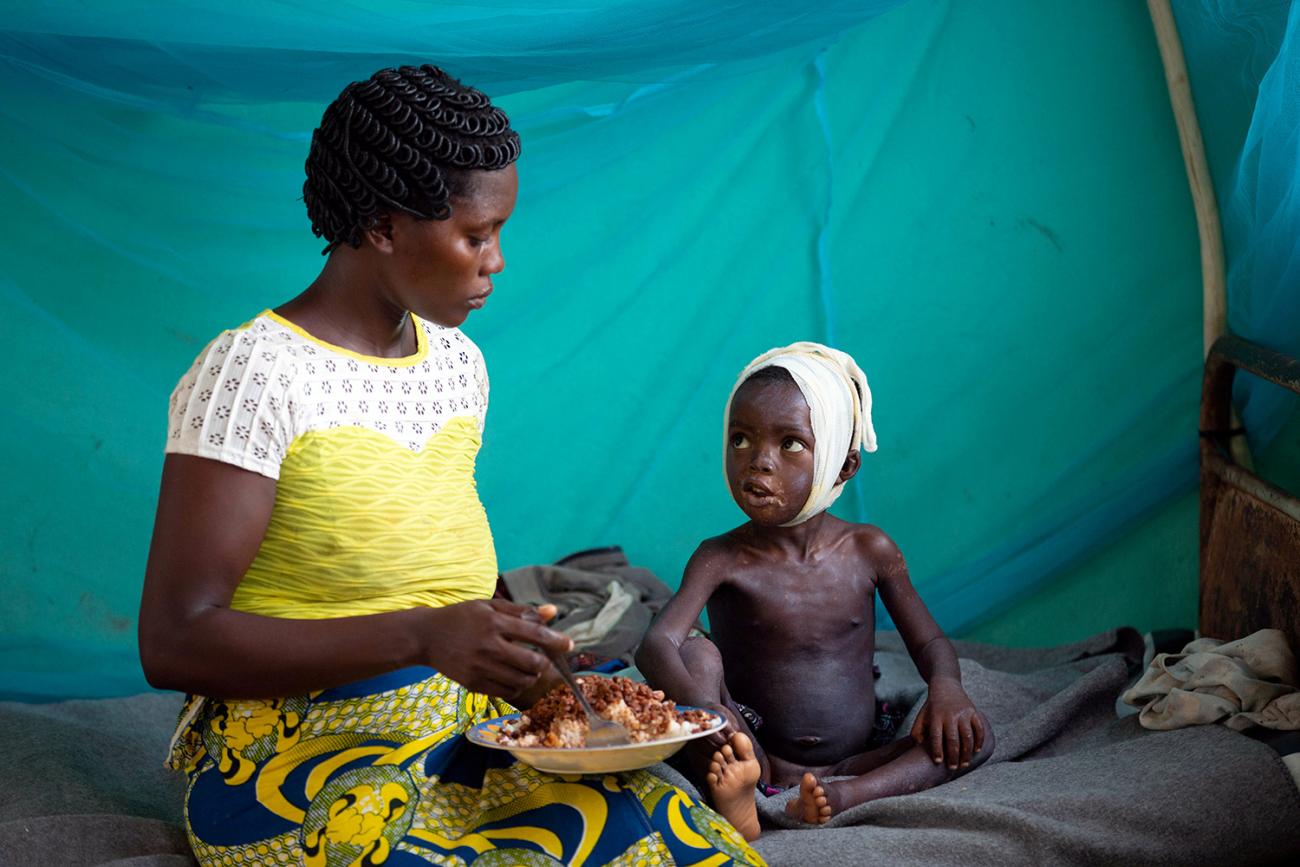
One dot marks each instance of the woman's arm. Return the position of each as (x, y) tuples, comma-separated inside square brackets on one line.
[(210, 522)]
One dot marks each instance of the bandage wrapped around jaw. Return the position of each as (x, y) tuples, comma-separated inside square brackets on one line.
[(839, 403)]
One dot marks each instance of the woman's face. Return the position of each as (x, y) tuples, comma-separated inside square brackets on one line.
[(440, 270)]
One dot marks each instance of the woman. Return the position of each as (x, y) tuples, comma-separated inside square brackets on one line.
[(321, 567)]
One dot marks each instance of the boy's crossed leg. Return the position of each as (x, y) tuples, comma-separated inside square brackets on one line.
[(897, 768), (732, 769)]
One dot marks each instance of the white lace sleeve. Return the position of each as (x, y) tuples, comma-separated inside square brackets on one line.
[(235, 404)]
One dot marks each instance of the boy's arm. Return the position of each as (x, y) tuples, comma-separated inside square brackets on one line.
[(948, 724), (659, 656)]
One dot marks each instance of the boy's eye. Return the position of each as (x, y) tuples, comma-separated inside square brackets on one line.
[(792, 445), (739, 441), (475, 241)]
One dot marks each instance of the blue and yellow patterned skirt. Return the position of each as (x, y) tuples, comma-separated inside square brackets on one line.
[(377, 772)]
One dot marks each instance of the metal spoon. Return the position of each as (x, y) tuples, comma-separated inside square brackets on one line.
[(600, 731)]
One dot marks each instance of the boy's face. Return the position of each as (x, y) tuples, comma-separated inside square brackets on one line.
[(770, 451)]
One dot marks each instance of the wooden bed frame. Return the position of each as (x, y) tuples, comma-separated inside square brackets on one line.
[(1250, 529)]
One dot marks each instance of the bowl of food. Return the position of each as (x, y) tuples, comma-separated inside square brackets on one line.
[(552, 734)]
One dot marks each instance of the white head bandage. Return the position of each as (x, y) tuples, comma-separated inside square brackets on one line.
[(839, 403)]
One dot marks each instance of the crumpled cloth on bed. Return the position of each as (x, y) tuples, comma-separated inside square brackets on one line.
[(1250, 681), (605, 603)]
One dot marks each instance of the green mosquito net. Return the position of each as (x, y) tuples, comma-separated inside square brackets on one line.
[(984, 203)]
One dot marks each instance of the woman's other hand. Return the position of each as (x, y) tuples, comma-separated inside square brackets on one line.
[(482, 645)]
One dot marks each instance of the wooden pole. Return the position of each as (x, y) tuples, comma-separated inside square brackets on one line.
[(1214, 282)]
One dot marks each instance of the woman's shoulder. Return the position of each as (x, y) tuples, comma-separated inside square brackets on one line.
[(255, 353), (254, 345), (237, 401)]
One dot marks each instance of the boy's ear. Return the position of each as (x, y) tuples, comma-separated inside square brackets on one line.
[(852, 464), (380, 235)]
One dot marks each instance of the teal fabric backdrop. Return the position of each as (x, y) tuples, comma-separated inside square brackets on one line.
[(984, 203)]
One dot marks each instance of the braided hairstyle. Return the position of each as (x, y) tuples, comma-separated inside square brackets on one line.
[(405, 139)]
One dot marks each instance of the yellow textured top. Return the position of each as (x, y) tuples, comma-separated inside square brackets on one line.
[(376, 506), (362, 525)]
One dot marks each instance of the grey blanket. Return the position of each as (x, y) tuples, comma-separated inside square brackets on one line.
[(82, 782)]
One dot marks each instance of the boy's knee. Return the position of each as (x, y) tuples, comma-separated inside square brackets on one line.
[(701, 656), (989, 745)]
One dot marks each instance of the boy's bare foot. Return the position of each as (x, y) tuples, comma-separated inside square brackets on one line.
[(733, 774), (812, 805)]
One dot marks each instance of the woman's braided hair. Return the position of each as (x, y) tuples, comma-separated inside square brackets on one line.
[(404, 139)]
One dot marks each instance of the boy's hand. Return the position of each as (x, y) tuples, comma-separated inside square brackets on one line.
[(948, 726)]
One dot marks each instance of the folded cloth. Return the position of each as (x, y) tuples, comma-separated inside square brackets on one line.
[(605, 603), (1250, 681)]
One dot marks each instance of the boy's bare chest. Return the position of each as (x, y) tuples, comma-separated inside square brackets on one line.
[(797, 605)]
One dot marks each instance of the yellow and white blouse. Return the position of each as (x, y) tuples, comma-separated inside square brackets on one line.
[(376, 506)]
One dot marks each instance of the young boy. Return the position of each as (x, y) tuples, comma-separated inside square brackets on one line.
[(791, 599)]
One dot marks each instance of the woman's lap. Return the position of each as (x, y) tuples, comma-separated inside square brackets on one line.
[(378, 770)]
